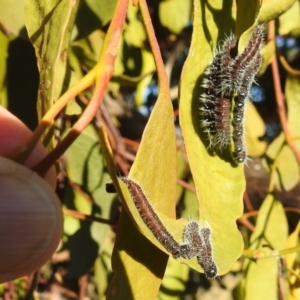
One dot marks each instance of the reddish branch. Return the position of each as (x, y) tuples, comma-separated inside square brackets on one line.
[(280, 98), (106, 67)]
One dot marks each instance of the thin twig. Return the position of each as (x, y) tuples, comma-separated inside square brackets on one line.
[(103, 74), (287, 67), (82, 216), (246, 223), (280, 98), (83, 281), (161, 71), (186, 185), (247, 202), (33, 286)]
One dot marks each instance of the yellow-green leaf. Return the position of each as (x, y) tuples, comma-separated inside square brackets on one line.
[(254, 129), (147, 67), (12, 17), (291, 242), (174, 282), (291, 262), (290, 21), (134, 33), (287, 175), (103, 9), (154, 169), (271, 9), (86, 169), (175, 14), (190, 204), (49, 25), (219, 185), (271, 225), (271, 230), (267, 52), (102, 268)]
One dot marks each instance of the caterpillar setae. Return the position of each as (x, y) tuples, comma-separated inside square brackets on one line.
[(198, 241), (247, 65), (227, 82), (152, 220), (216, 100)]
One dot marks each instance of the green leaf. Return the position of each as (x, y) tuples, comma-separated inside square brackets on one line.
[(174, 282), (134, 33), (289, 21), (84, 54), (81, 258), (271, 9), (182, 171), (82, 157), (292, 241), (86, 169), (219, 185), (49, 25), (12, 17), (92, 15), (291, 261), (267, 51), (103, 9), (147, 67), (247, 14), (71, 225), (154, 169), (190, 204), (103, 269), (175, 14), (272, 230), (137, 59), (254, 129), (279, 154), (271, 225)]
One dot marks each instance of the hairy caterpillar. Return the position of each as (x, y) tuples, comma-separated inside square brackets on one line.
[(216, 100), (227, 82), (248, 66), (152, 220), (248, 62), (198, 241)]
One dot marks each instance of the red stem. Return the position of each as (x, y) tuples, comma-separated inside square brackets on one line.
[(110, 47), (280, 98)]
